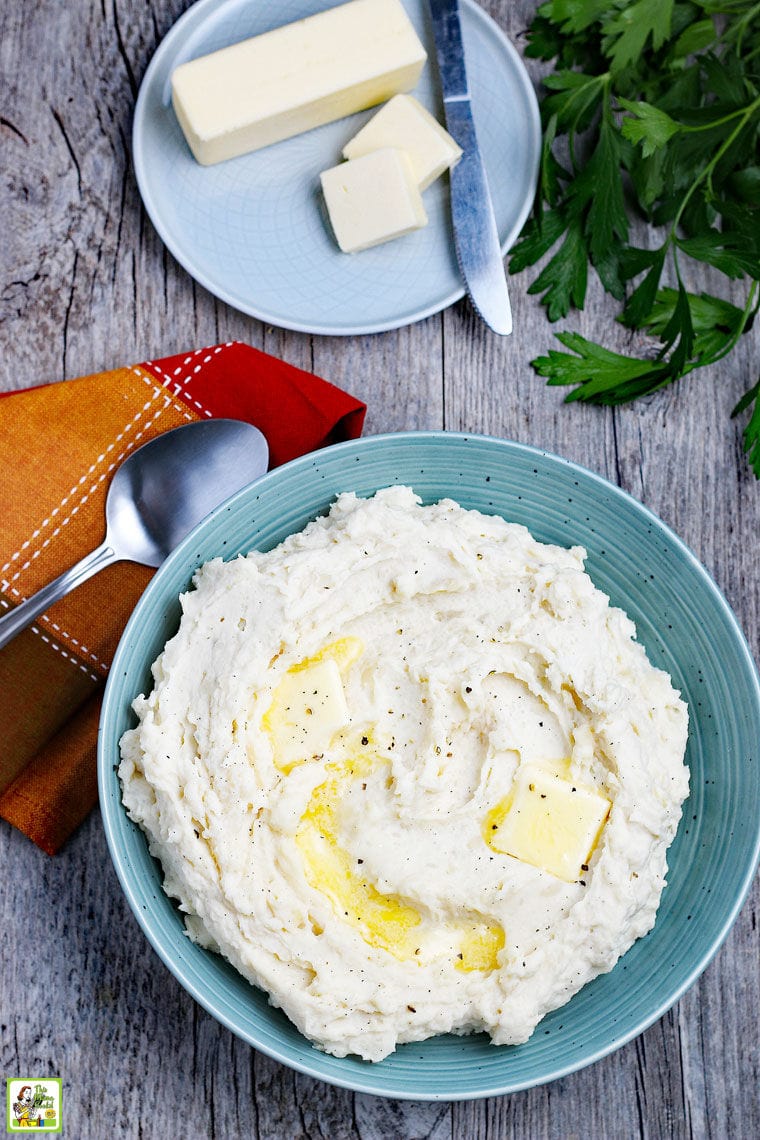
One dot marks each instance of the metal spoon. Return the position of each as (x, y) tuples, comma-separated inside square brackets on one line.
[(156, 498)]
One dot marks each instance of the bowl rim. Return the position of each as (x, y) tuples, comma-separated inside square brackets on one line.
[(112, 811)]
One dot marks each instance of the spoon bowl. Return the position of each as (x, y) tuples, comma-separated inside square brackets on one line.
[(156, 497)]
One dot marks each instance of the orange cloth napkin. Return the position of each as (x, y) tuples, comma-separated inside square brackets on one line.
[(59, 446)]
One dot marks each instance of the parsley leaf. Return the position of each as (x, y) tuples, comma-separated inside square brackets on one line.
[(563, 281), (600, 376), (651, 126), (751, 433), (627, 31), (598, 190)]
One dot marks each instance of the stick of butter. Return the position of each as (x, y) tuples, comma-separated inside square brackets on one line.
[(405, 123), (296, 77), (372, 199)]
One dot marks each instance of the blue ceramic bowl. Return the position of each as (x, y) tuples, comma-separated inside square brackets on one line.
[(687, 629)]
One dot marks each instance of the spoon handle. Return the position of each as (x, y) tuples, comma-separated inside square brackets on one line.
[(24, 614)]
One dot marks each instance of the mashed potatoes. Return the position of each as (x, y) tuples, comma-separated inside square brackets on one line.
[(410, 773)]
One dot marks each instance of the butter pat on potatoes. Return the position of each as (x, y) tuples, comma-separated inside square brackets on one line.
[(549, 822), (296, 77), (308, 708), (403, 122), (372, 199)]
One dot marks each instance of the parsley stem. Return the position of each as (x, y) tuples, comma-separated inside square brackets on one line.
[(691, 129), (707, 170), (742, 24)]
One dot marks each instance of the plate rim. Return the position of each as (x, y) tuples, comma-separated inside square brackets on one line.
[(197, 11), (113, 814)]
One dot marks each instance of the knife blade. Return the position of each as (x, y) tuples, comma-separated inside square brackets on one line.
[(475, 233)]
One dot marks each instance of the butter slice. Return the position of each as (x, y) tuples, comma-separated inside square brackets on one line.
[(308, 707), (296, 77), (372, 199), (405, 123), (549, 822)]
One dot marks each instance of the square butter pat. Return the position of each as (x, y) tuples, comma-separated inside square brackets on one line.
[(551, 823), (308, 707), (296, 77), (372, 199), (406, 124)]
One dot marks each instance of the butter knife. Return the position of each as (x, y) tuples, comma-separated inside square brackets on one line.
[(475, 234)]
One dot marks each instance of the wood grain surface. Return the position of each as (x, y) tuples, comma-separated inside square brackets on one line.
[(87, 285)]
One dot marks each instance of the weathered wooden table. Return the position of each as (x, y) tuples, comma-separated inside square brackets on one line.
[(87, 285)]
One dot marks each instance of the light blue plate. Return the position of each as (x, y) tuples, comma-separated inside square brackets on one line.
[(686, 627), (254, 230)]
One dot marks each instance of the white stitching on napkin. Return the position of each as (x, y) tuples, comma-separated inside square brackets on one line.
[(34, 629), (67, 636), (178, 384), (57, 648), (78, 644), (157, 393)]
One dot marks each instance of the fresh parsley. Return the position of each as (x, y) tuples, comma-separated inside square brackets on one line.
[(651, 110)]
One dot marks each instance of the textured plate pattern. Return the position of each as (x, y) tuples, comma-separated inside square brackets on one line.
[(686, 627), (254, 230)]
